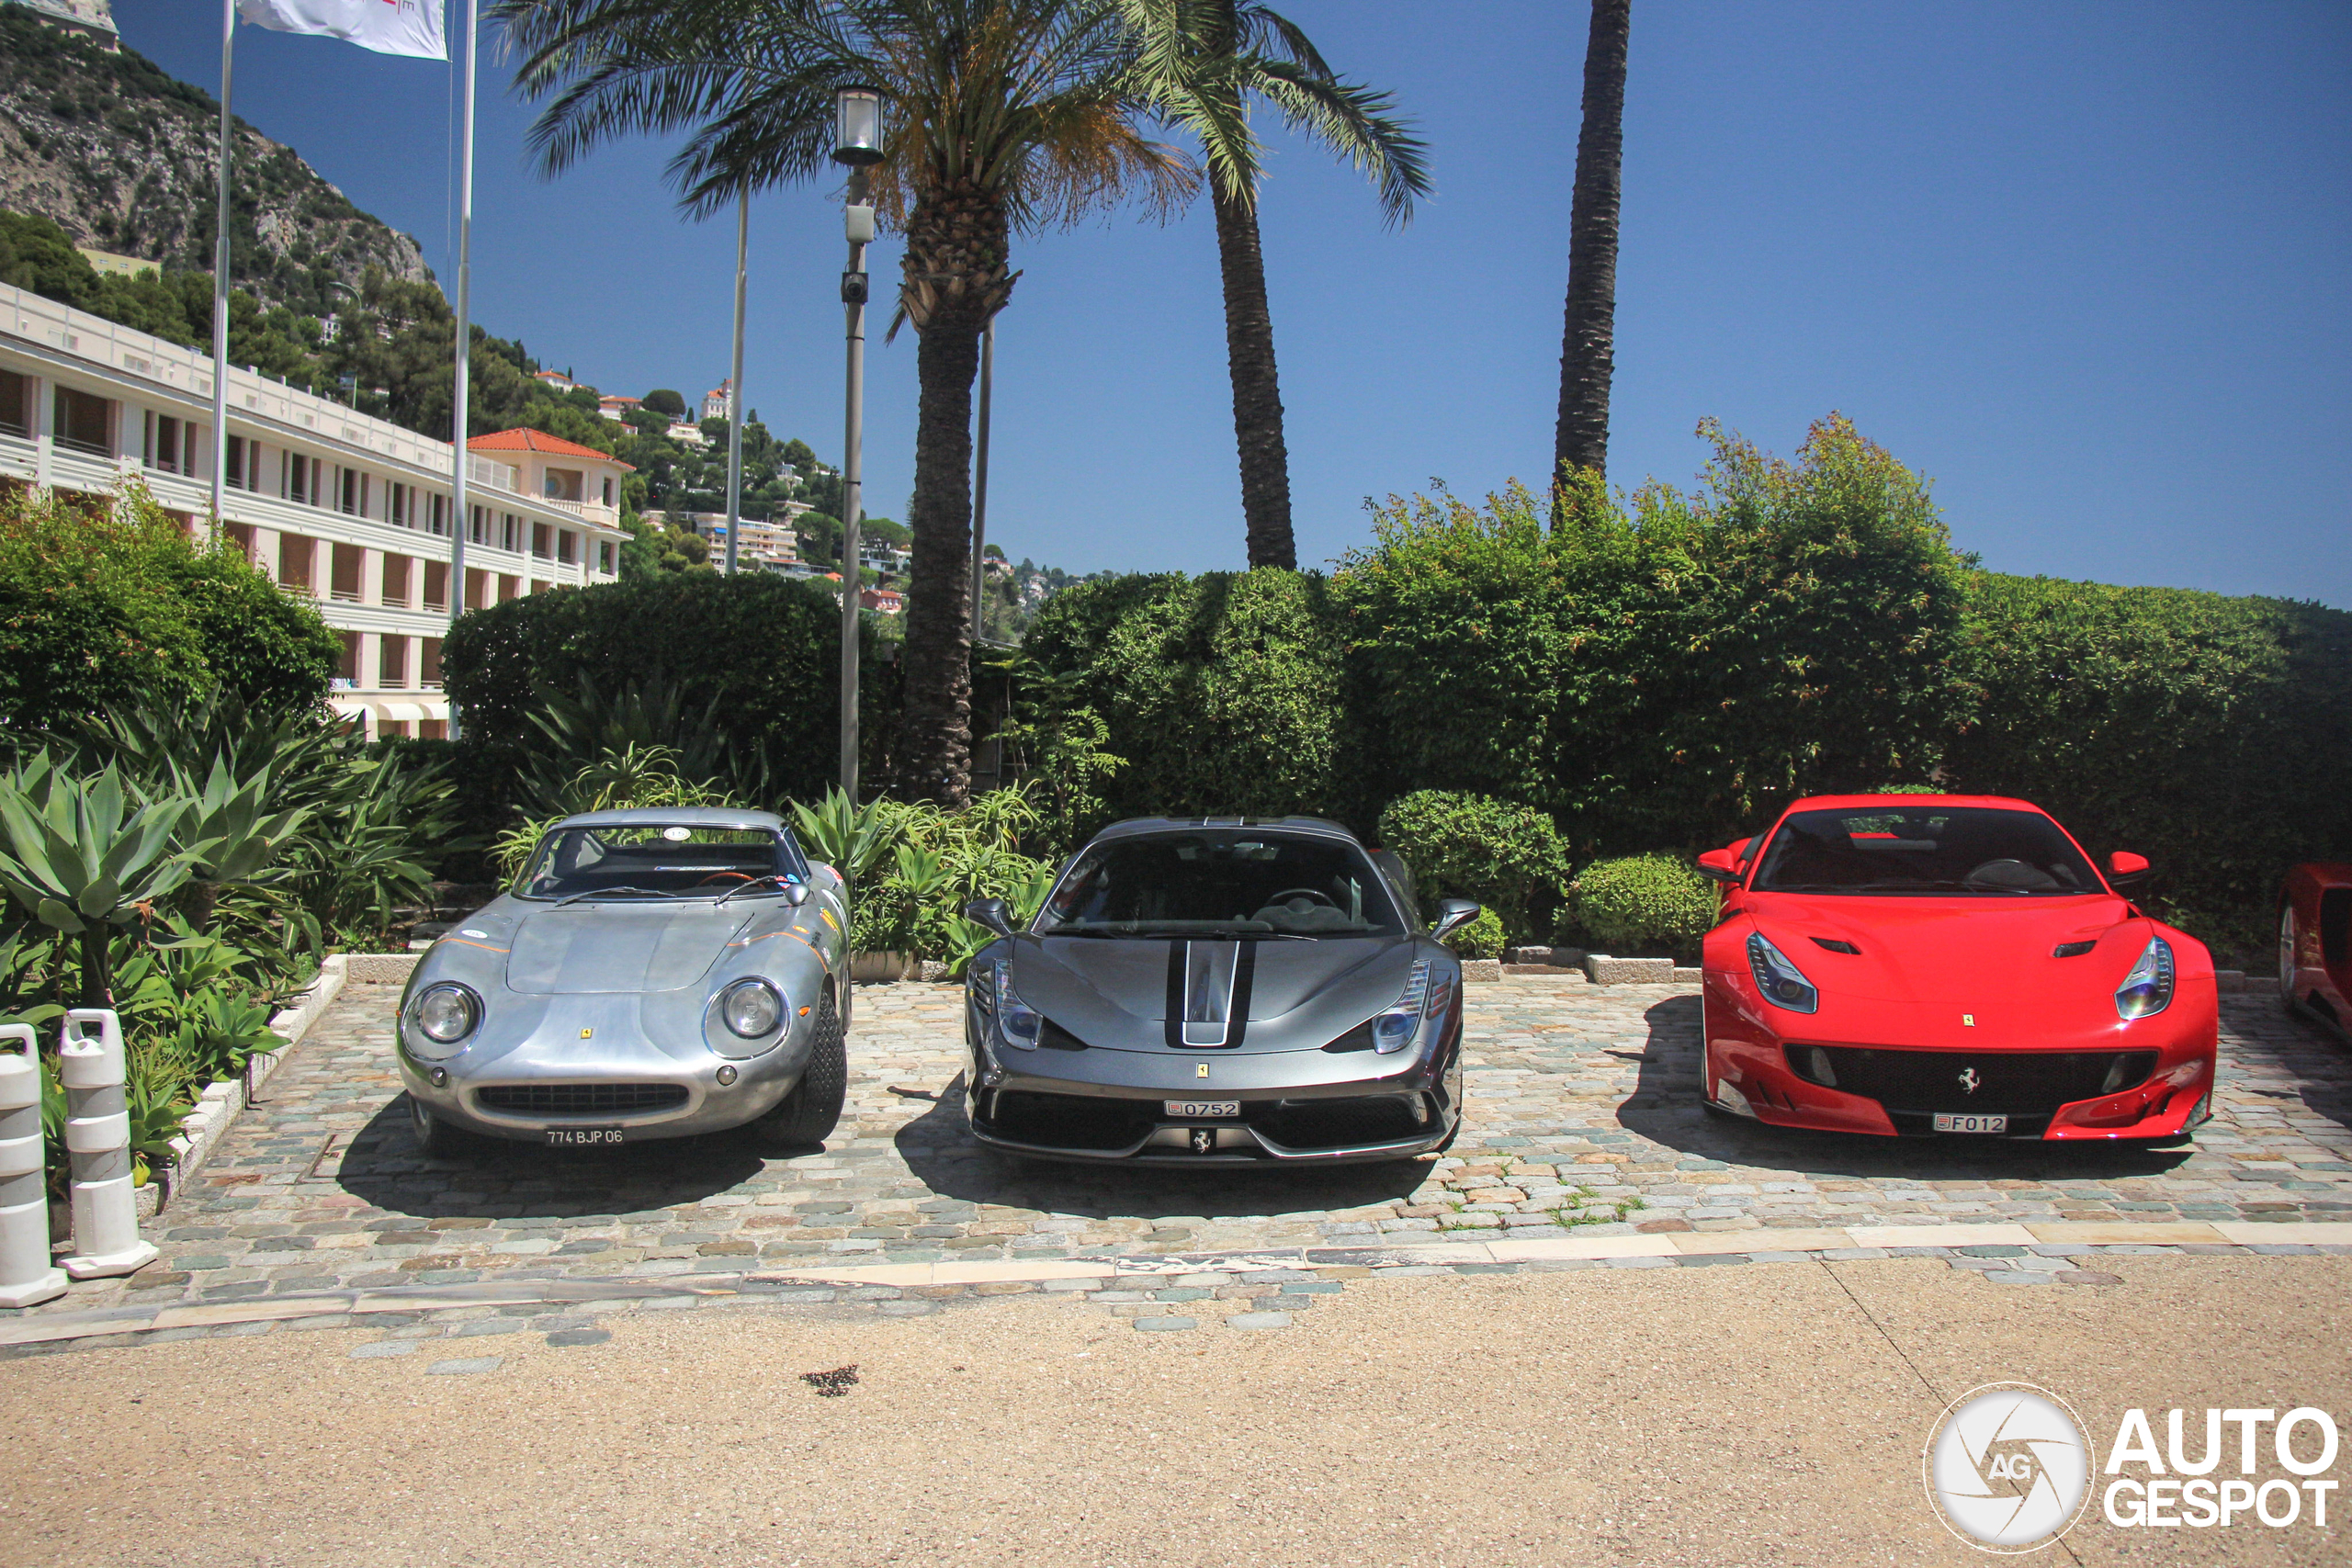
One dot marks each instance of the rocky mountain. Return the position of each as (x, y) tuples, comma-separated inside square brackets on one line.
[(122, 157)]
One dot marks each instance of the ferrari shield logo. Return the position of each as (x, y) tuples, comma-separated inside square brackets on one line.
[(1201, 1070), (1968, 1020)]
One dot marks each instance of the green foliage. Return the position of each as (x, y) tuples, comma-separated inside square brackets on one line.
[(1482, 938), (758, 679), (2211, 734), (665, 401), (938, 861), (1644, 901), (1508, 857), (1223, 691), (106, 605), (632, 775)]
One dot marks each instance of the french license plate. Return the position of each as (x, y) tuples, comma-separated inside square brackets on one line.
[(572, 1136), (1189, 1110), (1952, 1122)]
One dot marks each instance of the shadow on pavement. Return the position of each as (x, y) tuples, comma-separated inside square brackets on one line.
[(1665, 1108), (501, 1178), (939, 1148)]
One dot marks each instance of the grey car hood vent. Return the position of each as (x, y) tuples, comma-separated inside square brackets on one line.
[(602, 948), (1299, 996)]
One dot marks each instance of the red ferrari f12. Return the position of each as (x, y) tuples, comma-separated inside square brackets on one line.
[(1949, 964), (2316, 943)]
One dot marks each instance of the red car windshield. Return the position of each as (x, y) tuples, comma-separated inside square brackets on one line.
[(1946, 850)]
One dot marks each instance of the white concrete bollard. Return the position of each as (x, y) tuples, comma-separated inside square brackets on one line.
[(90, 1064), (26, 1276)]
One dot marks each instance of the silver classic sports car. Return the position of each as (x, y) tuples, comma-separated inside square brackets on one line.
[(652, 974), (1218, 991)]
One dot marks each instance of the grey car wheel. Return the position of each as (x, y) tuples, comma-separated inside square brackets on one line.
[(813, 1109), (435, 1138)]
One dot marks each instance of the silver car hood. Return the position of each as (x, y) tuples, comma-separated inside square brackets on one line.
[(1139, 994), (621, 946)]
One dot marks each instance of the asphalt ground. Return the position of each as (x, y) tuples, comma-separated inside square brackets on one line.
[(1581, 1121), (1769, 1414)]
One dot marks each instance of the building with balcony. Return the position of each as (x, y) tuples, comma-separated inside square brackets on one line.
[(719, 402), (347, 509)]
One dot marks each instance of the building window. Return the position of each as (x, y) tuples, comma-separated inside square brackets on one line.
[(392, 663), (440, 520), (509, 588), (510, 532), (539, 532), (242, 536), (567, 547), (397, 571), (605, 557), (241, 453), (436, 585), (346, 668), (429, 664), (302, 479), (343, 584), (83, 422), (435, 729), (294, 554), (608, 489), (354, 500), (477, 589), (562, 484), (16, 404), (168, 443)]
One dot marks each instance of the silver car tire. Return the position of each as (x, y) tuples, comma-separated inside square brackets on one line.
[(435, 1139), (807, 1116)]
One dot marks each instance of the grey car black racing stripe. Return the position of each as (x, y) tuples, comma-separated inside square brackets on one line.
[(1179, 1007)]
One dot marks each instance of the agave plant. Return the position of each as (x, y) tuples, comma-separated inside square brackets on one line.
[(848, 837), (81, 856)]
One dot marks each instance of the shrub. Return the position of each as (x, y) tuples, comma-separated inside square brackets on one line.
[(1644, 901), (1223, 691), (1508, 857), (1482, 938), (105, 601), (761, 654)]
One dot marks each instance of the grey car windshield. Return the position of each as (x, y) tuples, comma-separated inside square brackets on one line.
[(1968, 851), (1211, 885), (654, 860)]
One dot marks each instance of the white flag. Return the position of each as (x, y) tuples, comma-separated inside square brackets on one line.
[(388, 26)]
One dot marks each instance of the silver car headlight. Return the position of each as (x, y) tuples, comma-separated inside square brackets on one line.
[(444, 1014), (750, 1008), (1782, 983), (2148, 988)]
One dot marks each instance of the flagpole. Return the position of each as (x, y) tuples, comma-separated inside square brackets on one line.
[(220, 279), (460, 521), (735, 386)]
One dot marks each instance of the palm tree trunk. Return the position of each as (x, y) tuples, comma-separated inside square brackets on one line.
[(955, 280), (1588, 346), (1257, 394)]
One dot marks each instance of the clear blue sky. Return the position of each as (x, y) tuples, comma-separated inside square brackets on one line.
[(2089, 266)]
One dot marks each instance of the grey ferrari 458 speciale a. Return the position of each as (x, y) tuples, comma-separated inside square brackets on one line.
[(1218, 991), (652, 974)]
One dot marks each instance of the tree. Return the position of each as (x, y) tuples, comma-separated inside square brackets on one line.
[(1199, 63), (1004, 115), (663, 400), (1588, 344)]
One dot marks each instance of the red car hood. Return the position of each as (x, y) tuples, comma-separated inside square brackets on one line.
[(1988, 954)]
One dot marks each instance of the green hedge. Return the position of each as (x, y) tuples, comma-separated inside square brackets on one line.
[(767, 649), (1645, 902), (1668, 675), (1508, 857)]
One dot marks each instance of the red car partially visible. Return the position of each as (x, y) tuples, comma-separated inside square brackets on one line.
[(2316, 943), (1953, 966)]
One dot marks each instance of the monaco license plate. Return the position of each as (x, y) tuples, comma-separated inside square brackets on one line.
[(1953, 1122), (574, 1136), (1189, 1110)]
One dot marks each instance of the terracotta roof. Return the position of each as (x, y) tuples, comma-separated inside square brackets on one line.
[(542, 442)]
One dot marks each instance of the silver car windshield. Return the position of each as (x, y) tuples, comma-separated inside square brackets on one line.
[(652, 860), (1212, 885)]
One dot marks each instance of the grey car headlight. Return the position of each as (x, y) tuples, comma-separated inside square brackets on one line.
[(750, 1008), (443, 1015), (1401, 1025), (1017, 1024)]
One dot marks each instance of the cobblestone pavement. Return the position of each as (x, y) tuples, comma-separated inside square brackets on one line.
[(1580, 1121)]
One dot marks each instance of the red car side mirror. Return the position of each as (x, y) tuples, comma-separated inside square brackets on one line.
[(1718, 865), (2124, 867)]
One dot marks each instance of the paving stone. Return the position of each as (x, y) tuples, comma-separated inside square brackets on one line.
[(378, 1348), (464, 1366), (566, 1338), (1251, 1320), (1172, 1324)]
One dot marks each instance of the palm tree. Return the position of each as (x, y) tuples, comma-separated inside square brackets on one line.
[(1588, 345), (1005, 116), (1199, 64)]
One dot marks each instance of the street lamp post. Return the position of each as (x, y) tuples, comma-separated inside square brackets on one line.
[(857, 144)]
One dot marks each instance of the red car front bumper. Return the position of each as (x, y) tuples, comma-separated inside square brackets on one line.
[(1758, 1064)]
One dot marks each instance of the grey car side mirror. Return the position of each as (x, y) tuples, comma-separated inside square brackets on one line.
[(796, 894), (991, 913), (1453, 914)]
